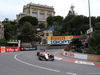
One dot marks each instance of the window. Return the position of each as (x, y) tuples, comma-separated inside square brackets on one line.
[(42, 16), (34, 14), (22, 15), (48, 15)]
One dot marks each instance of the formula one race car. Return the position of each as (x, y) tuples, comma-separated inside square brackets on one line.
[(42, 55)]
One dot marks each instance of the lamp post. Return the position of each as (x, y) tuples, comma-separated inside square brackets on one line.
[(89, 16)]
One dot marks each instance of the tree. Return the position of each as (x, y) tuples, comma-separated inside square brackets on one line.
[(27, 33), (54, 21), (10, 28), (84, 28), (30, 19), (68, 18), (74, 24), (6, 20), (7, 30), (58, 20), (98, 19), (93, 21), (42, 26), (3, 42), (57, 24), (50, 21), (71, 11), (38, 39), (94, 41), (66, 28), (77, 43)]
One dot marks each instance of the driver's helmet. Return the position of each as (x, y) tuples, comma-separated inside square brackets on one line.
[(43, 51)]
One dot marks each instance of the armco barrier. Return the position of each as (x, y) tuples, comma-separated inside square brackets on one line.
[(82, 56), (4, 49), (28, 48)]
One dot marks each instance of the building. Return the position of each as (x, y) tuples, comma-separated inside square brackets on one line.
[(1, 31), (41, 12), (46, 33)]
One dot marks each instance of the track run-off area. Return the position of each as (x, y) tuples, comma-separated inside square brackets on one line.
[(27, 63)]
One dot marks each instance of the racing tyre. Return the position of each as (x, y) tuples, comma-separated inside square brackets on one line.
[(37, 53), (52, 57)]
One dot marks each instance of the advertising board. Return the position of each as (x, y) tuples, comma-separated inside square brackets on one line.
[(9, 49), (75, 55), (70, 54), (59, 39)]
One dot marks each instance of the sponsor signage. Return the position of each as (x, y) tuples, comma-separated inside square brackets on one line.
[(28, 48), (2, 49), (70, 54), (59, 39), (59, 42), (9, 49), (89, 30), (75, 55)]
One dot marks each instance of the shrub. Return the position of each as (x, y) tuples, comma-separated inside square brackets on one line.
[(3, 42), (92, 51), (76, 42), (68, 48), (79, 50)]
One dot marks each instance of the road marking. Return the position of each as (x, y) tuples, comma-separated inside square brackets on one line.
[(93, 73), (84, 62), (34, 65), (57, 58), (70, 73)]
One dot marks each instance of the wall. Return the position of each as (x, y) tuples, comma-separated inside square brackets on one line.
[(94, 57)]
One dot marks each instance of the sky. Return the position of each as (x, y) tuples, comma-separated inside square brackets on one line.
[(10, 8)]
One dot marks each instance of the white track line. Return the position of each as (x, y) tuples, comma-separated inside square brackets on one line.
[(71, 73), (34, 65)]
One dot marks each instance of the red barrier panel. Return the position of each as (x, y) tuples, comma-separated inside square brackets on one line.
[(9, 49), (0, 49)]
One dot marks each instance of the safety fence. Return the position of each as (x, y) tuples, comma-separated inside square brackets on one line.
[(50, 47)]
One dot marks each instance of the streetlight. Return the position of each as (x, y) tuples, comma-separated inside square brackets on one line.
[(89, 16)]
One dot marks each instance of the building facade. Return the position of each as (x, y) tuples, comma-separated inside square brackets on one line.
[(1, 31), (46, 34), (41, 12)]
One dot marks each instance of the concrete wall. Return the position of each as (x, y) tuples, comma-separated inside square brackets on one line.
[(94, 57)]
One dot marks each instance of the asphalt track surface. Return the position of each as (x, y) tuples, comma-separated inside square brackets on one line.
[(27, 63)]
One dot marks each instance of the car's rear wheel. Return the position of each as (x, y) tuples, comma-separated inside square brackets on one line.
[(37, 53), (51, 57)]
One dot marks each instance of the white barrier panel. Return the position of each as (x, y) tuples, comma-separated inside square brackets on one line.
[(59, 41), (80, 56), (75, 55)]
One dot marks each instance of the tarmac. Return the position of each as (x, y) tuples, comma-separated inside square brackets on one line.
[(60, 56)]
